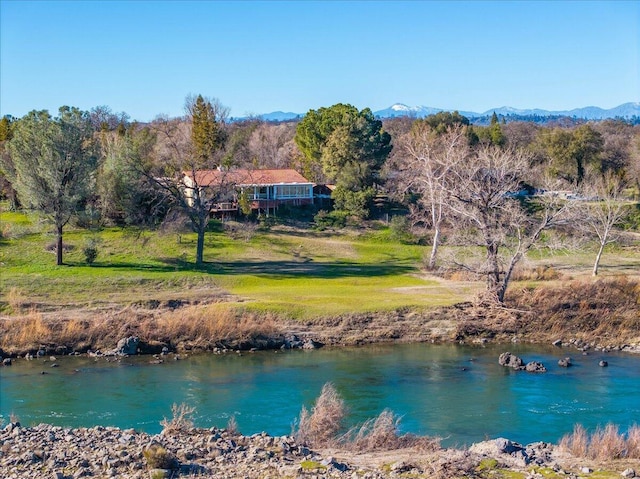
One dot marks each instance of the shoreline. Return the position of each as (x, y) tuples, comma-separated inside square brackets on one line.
[(135, 332), (65, 453)]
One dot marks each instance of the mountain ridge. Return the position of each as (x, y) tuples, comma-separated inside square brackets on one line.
[(625, 110)]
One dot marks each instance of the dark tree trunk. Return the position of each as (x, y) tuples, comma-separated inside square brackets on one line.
[(59, 246), (200, 247)]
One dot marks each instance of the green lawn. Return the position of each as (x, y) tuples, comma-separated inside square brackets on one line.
[(295, 273)]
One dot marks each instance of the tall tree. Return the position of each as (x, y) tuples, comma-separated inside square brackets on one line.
[(55, 161), (187, 149), (481, 200), (351, 147), (429, 157), (7, 170), (603, 206), (126, 195), (572, 152)]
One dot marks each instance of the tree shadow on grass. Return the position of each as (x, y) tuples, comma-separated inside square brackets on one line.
[(270, 269), (291, 269)]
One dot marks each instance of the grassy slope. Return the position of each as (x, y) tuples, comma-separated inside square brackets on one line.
[(296, 274)]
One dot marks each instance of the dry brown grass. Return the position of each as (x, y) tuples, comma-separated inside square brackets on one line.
[(29, 330), (202, 327), (321, 426), (382, 434), (16, 300), (538, 273), (181, 421), (633, 441), (577, 443), (603, 444), (588, 309)]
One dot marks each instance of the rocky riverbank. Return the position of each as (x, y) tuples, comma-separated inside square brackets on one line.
[(53, 452)]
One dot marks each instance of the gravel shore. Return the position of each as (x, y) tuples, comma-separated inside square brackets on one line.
[(54, 452)]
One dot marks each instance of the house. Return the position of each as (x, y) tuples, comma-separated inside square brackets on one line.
[(265, 190)]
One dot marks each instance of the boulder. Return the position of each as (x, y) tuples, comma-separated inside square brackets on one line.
[(510, 361), (6, 362), (311, 344), (603, 364), (502, 449), (127, 346), (628, 473), (535, 367), (565, 362), (557, 342)]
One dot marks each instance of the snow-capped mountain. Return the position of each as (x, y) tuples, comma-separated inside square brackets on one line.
[(400, 109), (626, 110)]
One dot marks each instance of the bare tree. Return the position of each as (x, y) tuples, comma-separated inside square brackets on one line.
[(482, 191), (428, 161), (190, 170), (270, 144), (603, 208)]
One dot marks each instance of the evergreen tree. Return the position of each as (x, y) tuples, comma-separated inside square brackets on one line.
[(351, 147), (55, 161)]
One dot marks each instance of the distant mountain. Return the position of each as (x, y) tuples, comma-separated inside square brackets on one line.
[(280, 116), (626, 110)]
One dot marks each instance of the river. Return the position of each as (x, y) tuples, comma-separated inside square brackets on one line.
[(458, 393)]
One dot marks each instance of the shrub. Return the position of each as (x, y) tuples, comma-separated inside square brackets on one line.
[(158, 457), (604, 443), (232, 425), (607, 443), (90, 251), (382, 434), (633, 442), (577, 443), (181, 420), (378, 433), (401, 230), (334, 219), (320, 426)]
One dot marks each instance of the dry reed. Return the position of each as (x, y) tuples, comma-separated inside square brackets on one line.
[(603, 444), (181, 421), (633, 442), (321, 426), (383, 434), (16, 300)]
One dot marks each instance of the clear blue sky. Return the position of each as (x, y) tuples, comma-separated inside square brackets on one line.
[(144, 57)]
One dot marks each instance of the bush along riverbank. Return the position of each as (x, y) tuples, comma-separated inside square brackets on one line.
[(318, 447)]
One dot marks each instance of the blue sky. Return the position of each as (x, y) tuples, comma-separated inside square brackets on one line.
[(145, 57)]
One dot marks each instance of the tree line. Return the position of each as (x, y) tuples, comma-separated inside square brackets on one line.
[(494, 188)]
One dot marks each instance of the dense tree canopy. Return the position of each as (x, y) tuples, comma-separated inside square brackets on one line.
[(54, 161), (351, 147)]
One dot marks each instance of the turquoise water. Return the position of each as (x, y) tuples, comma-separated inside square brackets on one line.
[(459, 393)]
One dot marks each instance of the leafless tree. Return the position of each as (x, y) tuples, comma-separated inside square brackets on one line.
[(481, 192), (270, 144), (603, 206), (428, 161), (189, 156)]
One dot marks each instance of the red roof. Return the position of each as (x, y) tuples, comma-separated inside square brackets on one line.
[(249, 177)]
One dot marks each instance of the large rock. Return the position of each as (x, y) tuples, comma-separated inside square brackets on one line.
[(511, 361), (502, 449), (535, 367), (127, 346), (564, 362)]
